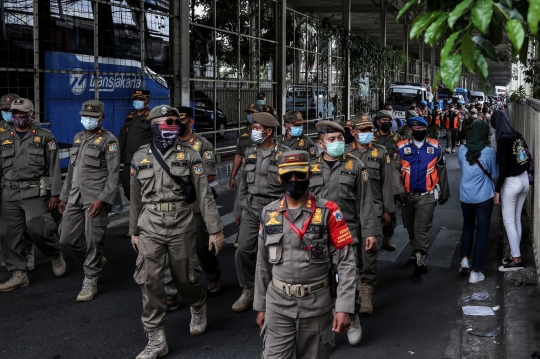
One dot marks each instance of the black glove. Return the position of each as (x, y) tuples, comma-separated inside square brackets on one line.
[(443, 201)]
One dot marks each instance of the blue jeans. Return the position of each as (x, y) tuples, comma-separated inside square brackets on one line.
[(476, 216)]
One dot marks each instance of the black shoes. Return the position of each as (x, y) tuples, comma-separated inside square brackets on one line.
[(419, 265), (512, 266)]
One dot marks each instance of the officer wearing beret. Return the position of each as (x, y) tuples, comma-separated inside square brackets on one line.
[(300, 235), (389, 139), (88, 193), (344, 180), (379, 170), (425, 183), (5, 108), (134, 133), (207, 259), (294, 137), (259, 186), (404, 130), (162, 223), (243, 142), (31, 182), (261, 101)]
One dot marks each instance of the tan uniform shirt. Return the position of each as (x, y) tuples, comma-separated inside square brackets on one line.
[(282, 256), (379, 168), (347, 184), (390, 141), (151, 184), (302, 143), (93, 168), (26, 160)]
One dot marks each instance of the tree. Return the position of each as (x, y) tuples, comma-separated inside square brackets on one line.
[(472, 29)]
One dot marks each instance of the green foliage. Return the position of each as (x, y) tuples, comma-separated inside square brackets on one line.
[(518, 95)]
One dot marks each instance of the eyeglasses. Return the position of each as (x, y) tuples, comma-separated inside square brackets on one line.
[(172, 121), (288, 176)]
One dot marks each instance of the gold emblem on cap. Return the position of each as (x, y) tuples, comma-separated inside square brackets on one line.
[(299, 115), (164, 110), (317, 216), (89, 107), (18, 102), (374, 153), (349, 166)]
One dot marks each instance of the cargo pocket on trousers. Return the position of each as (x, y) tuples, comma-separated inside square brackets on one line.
[(99, 226), (327, 341), (140, 274), (49, 227), (194, 270)]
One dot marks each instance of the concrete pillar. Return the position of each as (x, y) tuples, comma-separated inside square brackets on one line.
[(347, 75), (184, 51), (406, 46)]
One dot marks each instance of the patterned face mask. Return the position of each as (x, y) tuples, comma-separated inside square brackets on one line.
[(22, 120), (165, 135)]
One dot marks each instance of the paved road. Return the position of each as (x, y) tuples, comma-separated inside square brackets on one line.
[(410, 313)]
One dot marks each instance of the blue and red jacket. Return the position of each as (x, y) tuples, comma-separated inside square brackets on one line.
[(419, 166)]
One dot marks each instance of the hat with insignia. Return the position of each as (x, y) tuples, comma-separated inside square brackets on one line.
[(186, 111), (416, 121), (254, 107), (411, 113), (6, 100), (144, 94), (163, 111), (293, 161), (384, 114), (265, 119), (329, 127), (93, 108), (261, 95), (361, 120), (293, 117), (22, 104)]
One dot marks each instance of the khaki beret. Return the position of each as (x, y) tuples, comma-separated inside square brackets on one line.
[(329, 127), (361, 120), (6, 100), (265, 119), (411, 113), (254, 107), (384, 114), (163, 111), (293, 117)]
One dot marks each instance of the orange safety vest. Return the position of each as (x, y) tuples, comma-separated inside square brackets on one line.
[(437, 120), (448, 121)]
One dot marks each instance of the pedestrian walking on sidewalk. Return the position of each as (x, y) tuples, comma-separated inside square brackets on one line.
[(513, 184), (476, 192)]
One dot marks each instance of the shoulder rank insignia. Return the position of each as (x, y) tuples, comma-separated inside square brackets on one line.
[(396, 138), (180, 156), (78, 140), (374, 153), (273, 221), (317, 216), (196, 146), (113, 147), (7, 142), (365, 177), (98, 140), (99, 132), (209, 155), (245, 134), (145, 160), (178, 147), (387, 159), (252, 155), (12, 134), (277, 154), (198, 169), (316, 167), (34, 132), (349, 166), (37, 139), (2, 129), (301, 143), (51, 146)]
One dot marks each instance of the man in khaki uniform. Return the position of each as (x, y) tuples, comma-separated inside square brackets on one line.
[(299, 237), (88, 193), (261, 101), (344, 180), (243, 142), (162, 224), (259, 187), (134, 133), (31, 182), (379, 169), (294, 137), (389, 139), (207, 259)]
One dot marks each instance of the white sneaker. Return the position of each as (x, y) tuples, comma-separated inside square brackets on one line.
[(465, 267), (198, 323), (354, 334), (476, 277)]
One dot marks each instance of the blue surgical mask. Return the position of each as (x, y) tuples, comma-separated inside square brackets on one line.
[(257, 136), (138, 104), (89, 123), (335, 149), (7, 116), (365, 138), (250, 117), (260, 102), (296, 131)]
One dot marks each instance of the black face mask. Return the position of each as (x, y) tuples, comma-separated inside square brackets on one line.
[(386, 126), (295, 189), (419, 135), (348, 137), (183, 129)]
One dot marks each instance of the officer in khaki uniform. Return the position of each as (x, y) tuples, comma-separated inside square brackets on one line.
[(344, 180), (134, 133), (389, 139), (261, 101), (162, 224), (30, 182), (243, 142), (88, 193), (294, 137), (378, 165), (300, 236), (259, 186)]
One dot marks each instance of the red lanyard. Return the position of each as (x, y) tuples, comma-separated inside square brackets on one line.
[(306, 224)]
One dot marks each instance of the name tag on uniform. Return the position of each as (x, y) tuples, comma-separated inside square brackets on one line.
[(273, 229), (407, 150)]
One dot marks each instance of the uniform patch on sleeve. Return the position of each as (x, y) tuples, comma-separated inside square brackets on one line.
[(365, 177), (430, 150), (312, 150), (261, 230), (340, 235), (198, 169), (133, 171), (209, 155), (113, 147), (51, 146), (338, 215)]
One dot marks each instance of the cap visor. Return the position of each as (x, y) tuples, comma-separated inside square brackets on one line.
[(283, 170), (91, 114)]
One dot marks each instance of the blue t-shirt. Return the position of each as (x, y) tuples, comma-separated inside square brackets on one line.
[(475, 186)]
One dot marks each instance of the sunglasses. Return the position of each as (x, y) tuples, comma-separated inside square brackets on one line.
[(299, 175), (172, 121)]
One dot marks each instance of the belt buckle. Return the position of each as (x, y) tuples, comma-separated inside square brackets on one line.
[(164, 207), (15, 185)]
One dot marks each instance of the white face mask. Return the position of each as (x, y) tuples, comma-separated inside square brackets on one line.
[(89, 123), (257, 136)]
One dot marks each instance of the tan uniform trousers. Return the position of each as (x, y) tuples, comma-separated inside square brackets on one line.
[(33, 216), (151, 264), (246, 253), (367, 262), (418, 219), (85, 246), (308, 338)]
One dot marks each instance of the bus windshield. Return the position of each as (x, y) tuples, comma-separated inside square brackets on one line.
[(399, 96)]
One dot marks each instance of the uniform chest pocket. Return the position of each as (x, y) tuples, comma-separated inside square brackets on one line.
[(272, 176), (92, 157), (346, 186), (146, 177), (250, 173), (182, 172), (374, 171), (36, 156), (144, 125), (318, 248), (316, 181), (7, 157), (73, 151), (274, 245)]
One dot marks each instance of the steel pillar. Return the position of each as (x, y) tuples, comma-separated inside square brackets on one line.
[(347, 61)]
